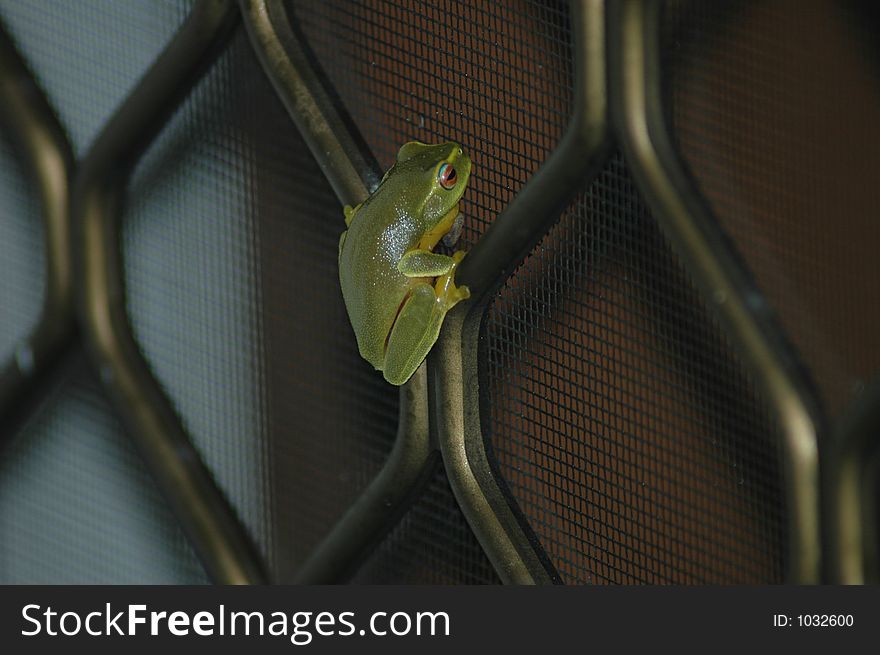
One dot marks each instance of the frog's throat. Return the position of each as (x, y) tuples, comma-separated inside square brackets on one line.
[(430, 238)]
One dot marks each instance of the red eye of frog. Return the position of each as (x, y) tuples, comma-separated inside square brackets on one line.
[(447, 176)]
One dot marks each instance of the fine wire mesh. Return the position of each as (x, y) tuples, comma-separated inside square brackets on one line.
[(495, 78), (621, 421), (432, 544), (76, 504), (775, 107)]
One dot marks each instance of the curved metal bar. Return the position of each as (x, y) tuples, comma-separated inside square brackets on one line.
[(40, 141), (637, 109), (504, 534), (378, 509), (852, 465), (353, 173), (348, 166), (219, 539)]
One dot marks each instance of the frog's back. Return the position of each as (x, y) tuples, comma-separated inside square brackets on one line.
[(372, 287)]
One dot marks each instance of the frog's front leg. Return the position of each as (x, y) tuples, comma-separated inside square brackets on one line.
[(424, 263), (444, 286)]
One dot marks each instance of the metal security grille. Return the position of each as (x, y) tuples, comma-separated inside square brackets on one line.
[(616, 403), (782, 138), (621, 419), (77, 504)]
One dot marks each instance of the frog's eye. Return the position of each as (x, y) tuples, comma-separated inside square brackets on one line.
[(447, 176)]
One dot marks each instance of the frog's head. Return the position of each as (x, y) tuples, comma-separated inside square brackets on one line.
[(436, 178)]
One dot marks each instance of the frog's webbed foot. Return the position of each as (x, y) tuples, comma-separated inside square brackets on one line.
[(445, 287)]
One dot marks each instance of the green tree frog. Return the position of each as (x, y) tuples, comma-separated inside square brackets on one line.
[(396, 290)]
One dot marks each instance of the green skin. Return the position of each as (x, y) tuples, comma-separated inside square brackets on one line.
[(396, 290)]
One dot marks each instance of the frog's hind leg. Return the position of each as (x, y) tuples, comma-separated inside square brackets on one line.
[(414, 332), (342, 242)]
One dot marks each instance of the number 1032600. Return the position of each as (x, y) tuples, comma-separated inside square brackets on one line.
[(824, 620)]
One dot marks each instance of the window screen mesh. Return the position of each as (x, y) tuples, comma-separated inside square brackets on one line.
[(776, 106), (621, 422), (433, 544), (77, 505), (620, 419)]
